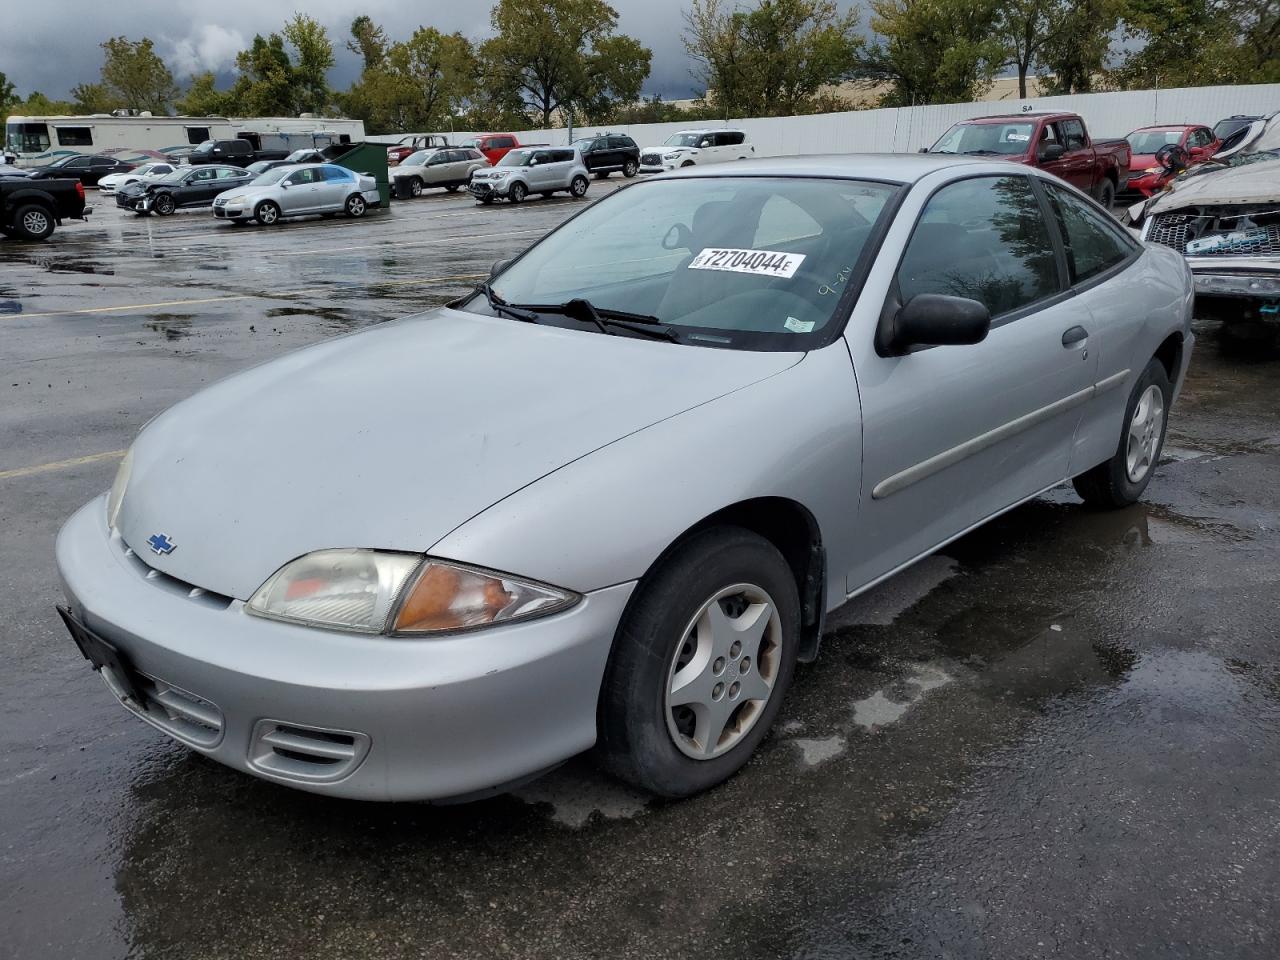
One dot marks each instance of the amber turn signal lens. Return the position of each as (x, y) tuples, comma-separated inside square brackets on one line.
[(449, 596)]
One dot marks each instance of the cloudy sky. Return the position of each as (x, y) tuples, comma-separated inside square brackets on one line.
[(51, 47)]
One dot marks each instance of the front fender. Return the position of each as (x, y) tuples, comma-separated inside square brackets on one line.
[(605, 518)]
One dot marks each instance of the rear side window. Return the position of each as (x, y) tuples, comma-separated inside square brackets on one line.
[(561, 156), (337, 174), (985, 239), (75, 137), (621, 143), (729, 139), (228, 173), (1093, 245)]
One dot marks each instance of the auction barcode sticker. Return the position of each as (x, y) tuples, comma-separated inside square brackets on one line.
[(768, 263)]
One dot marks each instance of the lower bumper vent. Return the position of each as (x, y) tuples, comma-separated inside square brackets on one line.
[(311, 754)]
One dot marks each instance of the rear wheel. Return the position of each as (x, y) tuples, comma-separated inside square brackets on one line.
[(630, 169), (518, 192), (452, 188), (415, 186), (267, 213), (33, 222), (356, 205), (1107, 193), (1121, 480), (578, 187), (164, 205), (700, 664)]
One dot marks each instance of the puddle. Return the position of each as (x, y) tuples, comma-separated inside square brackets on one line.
[(173, 326), (576, 796), (878, 710), (816, 752)]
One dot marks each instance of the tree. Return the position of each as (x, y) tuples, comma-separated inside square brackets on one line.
[(1074, 56), (38, 105), (774, 58), (369, 41), (8, 97), (93, 98), (934, 51), (135, 77), (204, 99), (1187, 43), (563, 55), (421, 82), (314, 59)]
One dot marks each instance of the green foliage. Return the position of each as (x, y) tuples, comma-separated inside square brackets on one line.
[(562, 55), (418, 84), (93, 98), (204, 99), (657, 110), (134, 76), (1066, 38), (38, 105), (934, 51), (1186, 43), (774, 58), (274, 81), (313, 59), (369, 41), (8, 97)]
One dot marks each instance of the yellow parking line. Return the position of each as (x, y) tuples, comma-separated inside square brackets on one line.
[(60, 464), (284, 294)]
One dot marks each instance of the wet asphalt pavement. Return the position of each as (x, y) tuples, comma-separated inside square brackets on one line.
[(1057, 738)]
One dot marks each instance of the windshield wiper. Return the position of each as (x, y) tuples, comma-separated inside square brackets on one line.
[(970, 153), (580, 309), (502, 308)]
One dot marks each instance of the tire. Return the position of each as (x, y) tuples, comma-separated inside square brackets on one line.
[(356, 206), (1115, 483), (630, 169), (415, 186), (687, 163), (452, 188), (484, 201), (1107, 193), (267, 213), (33, 221), (578, 186), (648, 742), (164, 205), (518, 192)]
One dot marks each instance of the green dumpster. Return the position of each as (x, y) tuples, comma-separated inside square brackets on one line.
[(367, 158)]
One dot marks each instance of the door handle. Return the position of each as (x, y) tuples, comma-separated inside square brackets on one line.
[(1074, 335)]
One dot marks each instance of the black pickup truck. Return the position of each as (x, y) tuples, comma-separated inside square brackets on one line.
[(238, 153), (30, 209)]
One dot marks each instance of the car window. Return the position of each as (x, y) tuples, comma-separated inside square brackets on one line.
[(561, 156), (504, 142), (694, 255), (729, 139), (77, 163), (985, 239), (229, 173), (302, 176), (337, 174), (1073, 134), (1093, 244)]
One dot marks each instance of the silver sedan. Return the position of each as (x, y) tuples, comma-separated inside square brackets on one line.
[(298, 190), (607, 501)]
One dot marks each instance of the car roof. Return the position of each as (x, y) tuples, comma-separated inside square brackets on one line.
[(709, 130), (891, 167), (1159, 127), (1030, 115)]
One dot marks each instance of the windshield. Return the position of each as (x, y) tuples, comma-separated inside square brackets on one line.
[(63, 161), (27, 137), (176, 176), (1011, 139), (516, 158), (472, 144), (683, 140), (1150, 141), (271, 176), (744, 262), (417, 159), (204, 147)]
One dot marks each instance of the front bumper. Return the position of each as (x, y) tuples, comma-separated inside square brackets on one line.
[(135, 203), (1251, 278), (488, 189), (371, 718), (231, 211)]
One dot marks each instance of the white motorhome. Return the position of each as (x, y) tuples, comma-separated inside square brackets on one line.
[(35, 141)]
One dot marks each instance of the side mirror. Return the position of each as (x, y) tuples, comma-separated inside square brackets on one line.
[(937, 320), (284, 184), (1052, 151), (498, 267)]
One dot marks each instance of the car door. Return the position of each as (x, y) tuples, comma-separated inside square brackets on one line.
[(334, 184), (435, 172), (1078, 162), (199, 188), (300, 193), (955, 434), (99, 167), (77, 167), (1111, 314)]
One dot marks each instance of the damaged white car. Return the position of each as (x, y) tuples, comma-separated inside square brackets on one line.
[(1224, 217)]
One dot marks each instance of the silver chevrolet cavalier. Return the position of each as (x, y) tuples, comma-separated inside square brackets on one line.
[(606, 501)]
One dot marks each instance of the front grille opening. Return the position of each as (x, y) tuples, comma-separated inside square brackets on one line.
[(313, 754), (1219, 231), (180, 588), (179, 712)]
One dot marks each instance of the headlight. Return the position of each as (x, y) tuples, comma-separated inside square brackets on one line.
[(118, 487), (235, 199), (670, 156), (371, 591)]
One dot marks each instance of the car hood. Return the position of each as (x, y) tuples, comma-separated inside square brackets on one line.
[(1140, 161), (393, 437), (1252, 183), (661, 149)]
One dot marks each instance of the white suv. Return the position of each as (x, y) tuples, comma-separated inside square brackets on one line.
[(527, 170), (689, 147)]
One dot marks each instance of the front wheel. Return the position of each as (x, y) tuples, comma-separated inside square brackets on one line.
[(700, 664), (630, 169), (1121, 480), (415, 186), (578, 187), (356, 206), (518, 192), (33, 222), (267, 213), (164, 205), (687, 163)]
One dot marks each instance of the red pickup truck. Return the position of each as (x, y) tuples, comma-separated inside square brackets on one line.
[(495, 146), (1056, 142)]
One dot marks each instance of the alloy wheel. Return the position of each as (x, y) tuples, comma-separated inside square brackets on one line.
[(723, 671), (35, 222), (1145, 431)]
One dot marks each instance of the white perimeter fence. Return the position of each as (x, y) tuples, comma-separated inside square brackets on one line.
[(906, 129)]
